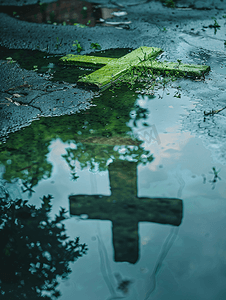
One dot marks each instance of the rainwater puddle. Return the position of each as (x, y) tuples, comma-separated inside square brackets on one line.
[(62, 12), (144, 196)]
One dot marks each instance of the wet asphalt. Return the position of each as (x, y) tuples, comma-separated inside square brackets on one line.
[(184, 33)]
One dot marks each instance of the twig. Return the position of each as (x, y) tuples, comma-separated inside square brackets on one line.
[(19, 86), (213, 112)]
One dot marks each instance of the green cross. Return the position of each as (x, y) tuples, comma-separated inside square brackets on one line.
[(125, 209), (110, 69)]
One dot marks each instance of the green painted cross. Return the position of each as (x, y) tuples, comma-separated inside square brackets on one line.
[(126, 210), (110, 69)]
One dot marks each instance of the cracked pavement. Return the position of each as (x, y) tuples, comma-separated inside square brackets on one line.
[(26, 96)]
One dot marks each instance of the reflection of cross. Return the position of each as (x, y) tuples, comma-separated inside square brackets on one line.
[(125, 209), (112, 68)]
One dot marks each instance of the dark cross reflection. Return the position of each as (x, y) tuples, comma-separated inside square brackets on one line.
[(125, 209)]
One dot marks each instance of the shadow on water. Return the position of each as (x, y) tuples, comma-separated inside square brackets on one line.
[(35, 251)]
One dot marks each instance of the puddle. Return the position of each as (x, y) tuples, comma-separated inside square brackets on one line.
[(62, 12), (144, 196)]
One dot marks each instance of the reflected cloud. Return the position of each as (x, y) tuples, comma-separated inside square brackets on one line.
[(171, 146)]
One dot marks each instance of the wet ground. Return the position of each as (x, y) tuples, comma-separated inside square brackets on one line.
[(139, 168)]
